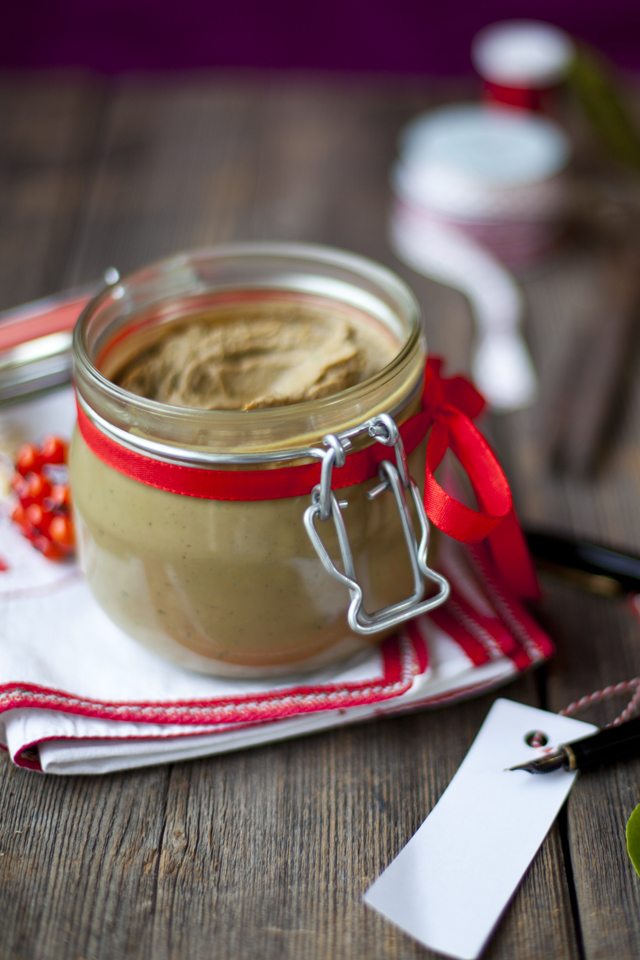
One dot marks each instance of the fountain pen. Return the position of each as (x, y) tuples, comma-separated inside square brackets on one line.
[(611, 744)]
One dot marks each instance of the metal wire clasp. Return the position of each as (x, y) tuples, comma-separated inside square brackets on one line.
[(395, 478)]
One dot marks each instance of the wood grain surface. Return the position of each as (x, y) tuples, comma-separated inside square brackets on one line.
[(266, 853)]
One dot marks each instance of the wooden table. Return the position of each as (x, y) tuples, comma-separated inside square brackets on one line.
[(266, 853)]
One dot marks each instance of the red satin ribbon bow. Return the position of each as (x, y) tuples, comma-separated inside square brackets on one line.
[(449, 404)]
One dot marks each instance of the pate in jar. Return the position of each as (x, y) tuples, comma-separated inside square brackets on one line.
[(248, 426)]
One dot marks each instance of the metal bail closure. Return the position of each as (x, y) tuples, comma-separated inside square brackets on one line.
[(395, 478)]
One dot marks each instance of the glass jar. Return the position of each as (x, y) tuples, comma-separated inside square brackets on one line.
[(248, 587)]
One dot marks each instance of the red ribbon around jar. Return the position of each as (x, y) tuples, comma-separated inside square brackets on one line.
[(449, 405)]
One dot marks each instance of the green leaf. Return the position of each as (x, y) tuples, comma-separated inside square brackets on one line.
[(599, 92), (633, 838)]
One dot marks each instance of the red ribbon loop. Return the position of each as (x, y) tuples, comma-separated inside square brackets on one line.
[(450, 404)]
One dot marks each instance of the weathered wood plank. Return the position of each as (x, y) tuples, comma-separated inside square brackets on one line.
[(268, 853), (324, 177), (597, 638), (598, 645), (178, 169), (78, 864), (48, 142)]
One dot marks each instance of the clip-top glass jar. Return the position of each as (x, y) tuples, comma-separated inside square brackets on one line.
[(238, 583)]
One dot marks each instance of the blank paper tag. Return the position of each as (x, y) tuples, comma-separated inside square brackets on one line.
[(451, 883)]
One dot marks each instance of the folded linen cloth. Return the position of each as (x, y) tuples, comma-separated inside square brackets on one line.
[(78, 696)]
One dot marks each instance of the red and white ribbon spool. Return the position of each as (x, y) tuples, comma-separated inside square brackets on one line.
[(522, 62)]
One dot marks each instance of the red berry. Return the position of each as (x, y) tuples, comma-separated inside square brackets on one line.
[(39, 517), (47, 548), (61, 531), (27, 459), (60, 495), (38, 487), (22, 491), (53, 450), (20, 487), (17, 481), (33, 514), (17, 514), (44, 500)]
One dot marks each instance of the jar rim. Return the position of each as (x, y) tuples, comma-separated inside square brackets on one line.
[(153, 421)]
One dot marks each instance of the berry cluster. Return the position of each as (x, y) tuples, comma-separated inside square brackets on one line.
[(43, 511)]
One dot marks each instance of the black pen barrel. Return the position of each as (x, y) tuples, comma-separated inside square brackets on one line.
[(614, 743), (590, 558)]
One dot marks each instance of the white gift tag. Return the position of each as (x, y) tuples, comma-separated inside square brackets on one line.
[(452, 882)]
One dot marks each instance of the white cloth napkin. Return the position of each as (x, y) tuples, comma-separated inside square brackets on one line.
[(79, 696)]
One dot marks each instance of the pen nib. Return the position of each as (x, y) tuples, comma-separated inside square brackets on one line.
[(547, 764)]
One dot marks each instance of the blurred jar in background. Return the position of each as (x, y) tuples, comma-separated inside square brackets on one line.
[(497, 175)]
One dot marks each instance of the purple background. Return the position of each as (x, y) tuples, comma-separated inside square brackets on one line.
[(402, 36)]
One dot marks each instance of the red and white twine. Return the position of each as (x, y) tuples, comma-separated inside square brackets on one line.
[(614, 690)]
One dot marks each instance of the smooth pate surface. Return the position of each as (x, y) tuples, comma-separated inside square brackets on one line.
[(254, 356)]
